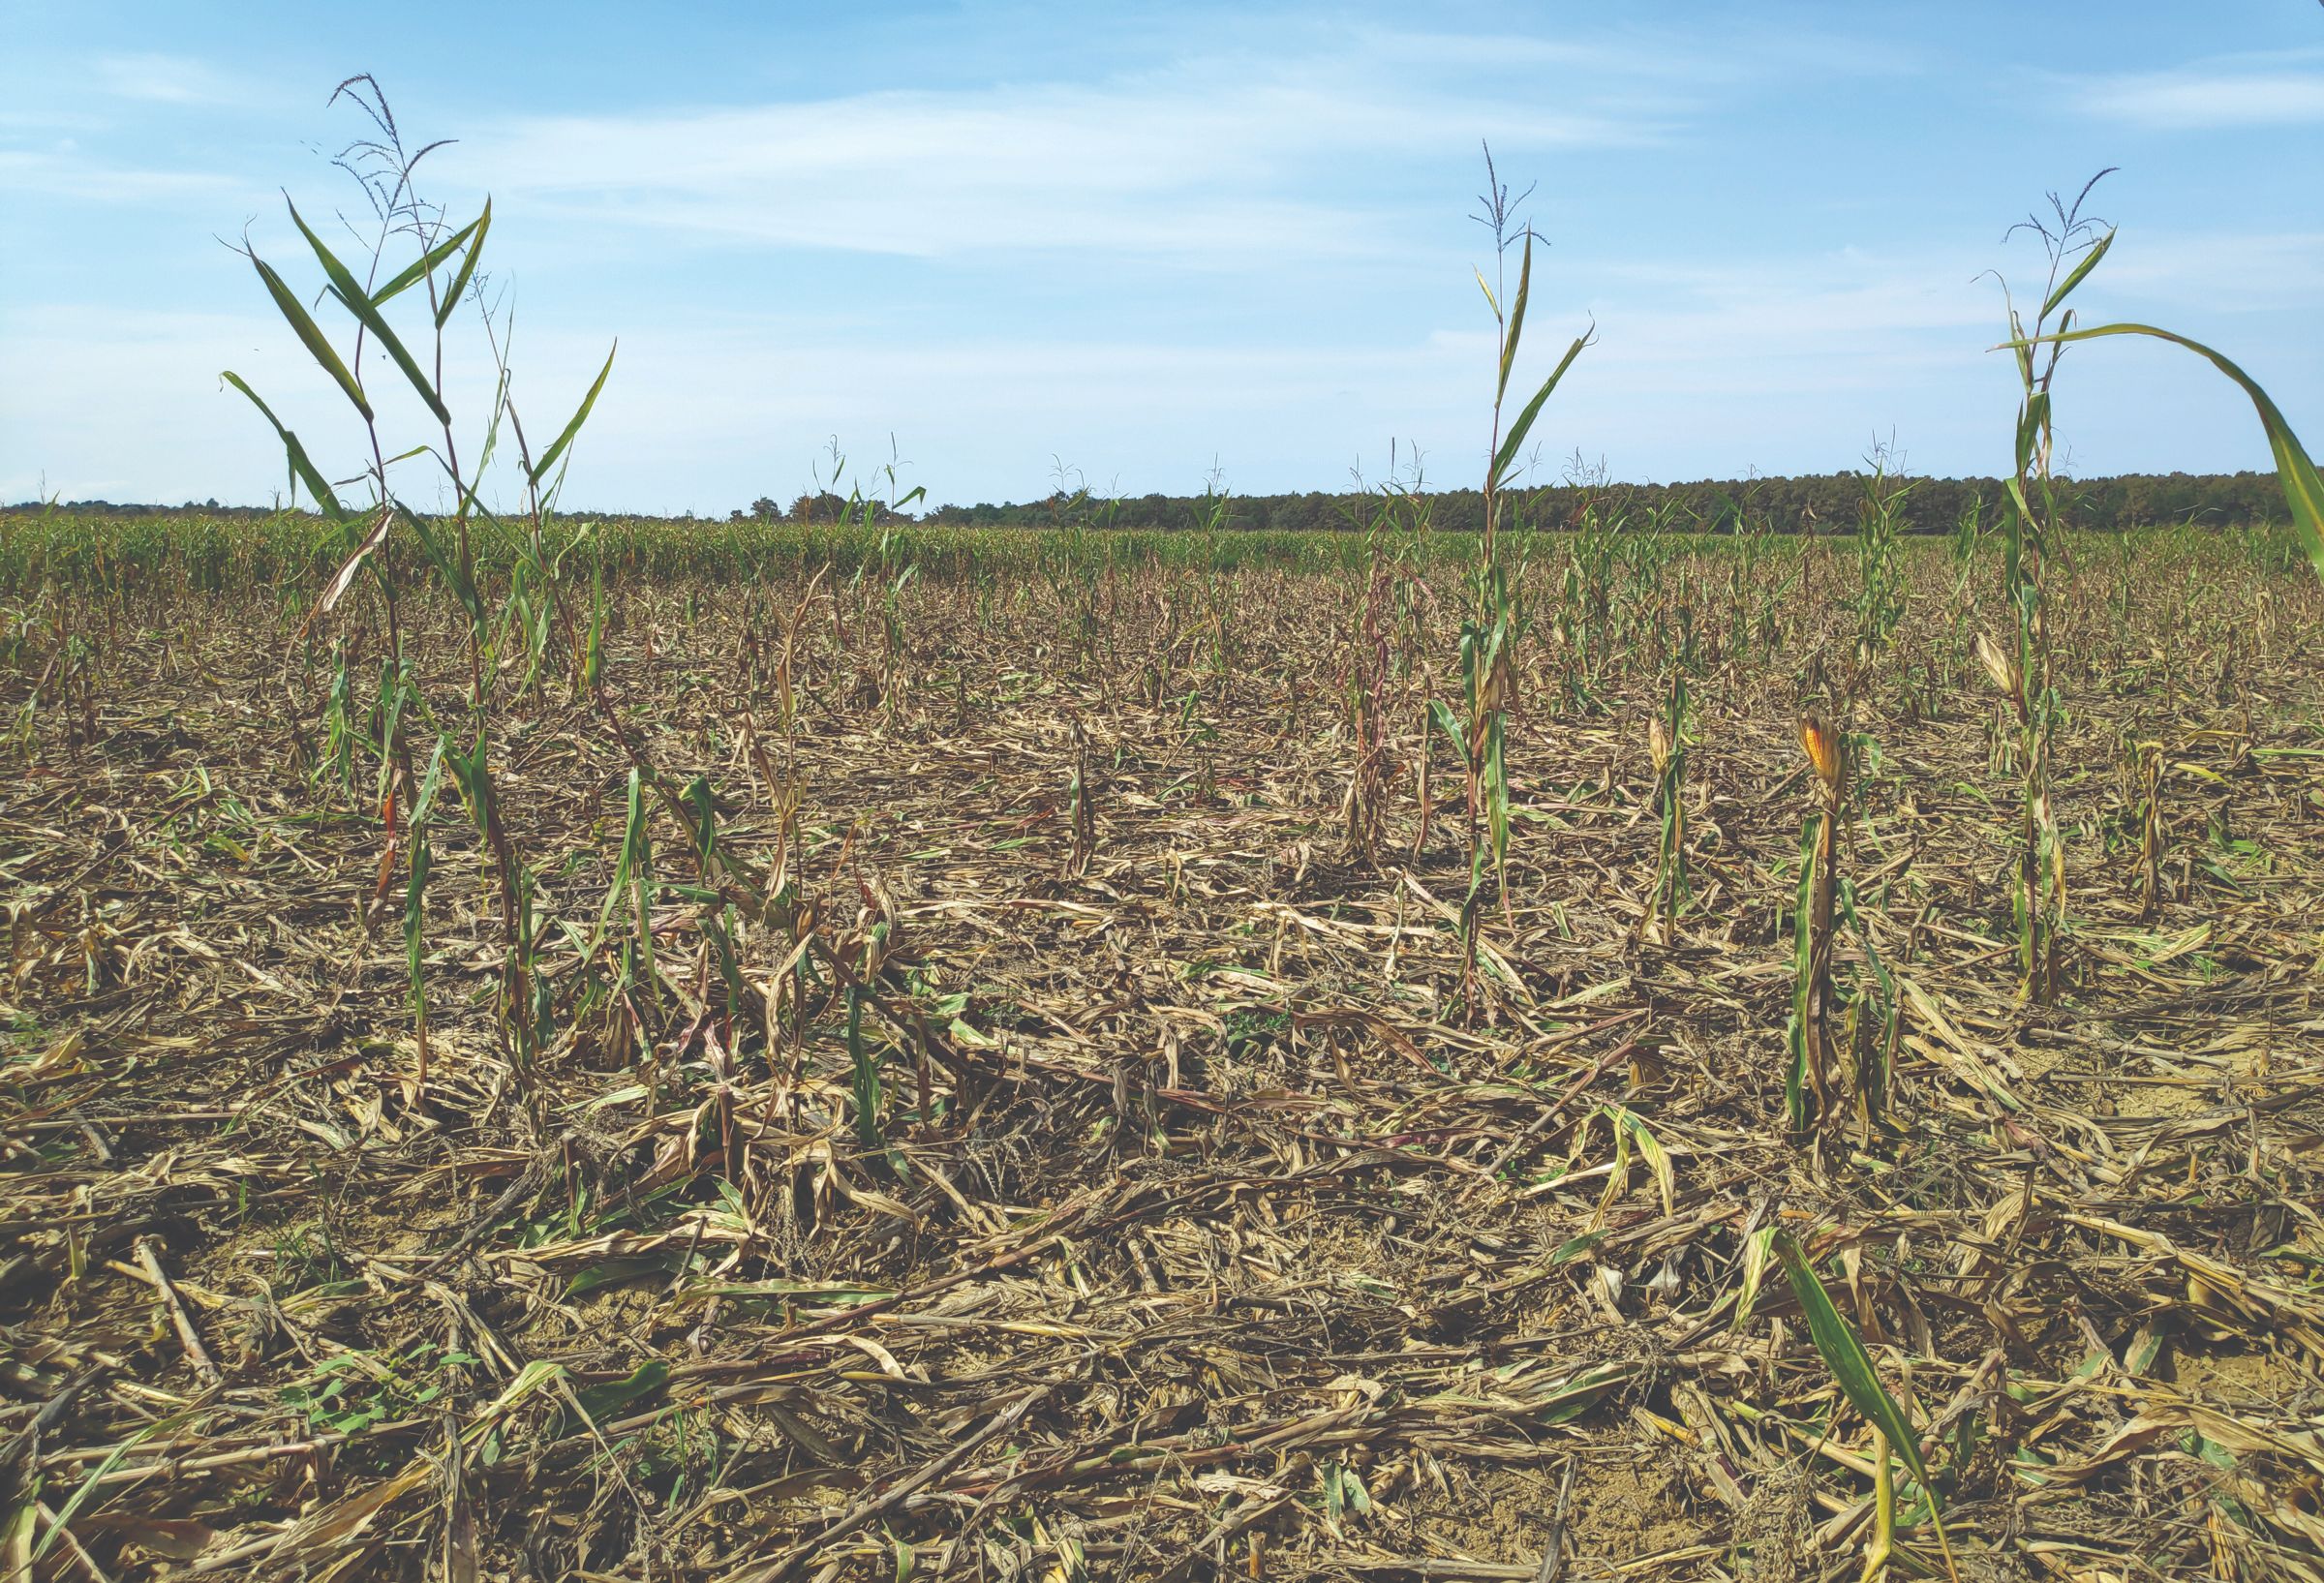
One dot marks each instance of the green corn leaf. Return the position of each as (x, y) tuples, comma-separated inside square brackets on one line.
[(1449, 724), (302, 469), (2295, 471), (428, 785), (1844, 1355), (425, 265), (1803, 953), (548, 458), (1516, 438), (1496, 788), (310, 335), (2065, 287), (89, 1483), (351, 295), (864, 1065), (1516, 321), (468, 271), (599, 1402), (702, 803), (448, 565), (415, 914)]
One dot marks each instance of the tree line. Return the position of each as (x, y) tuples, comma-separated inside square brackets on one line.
[(1808, 503), (1825, 502)]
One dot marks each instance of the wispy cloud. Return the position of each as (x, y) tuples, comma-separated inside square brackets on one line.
[(67, 172), (1205, 157), (167, 79), (2226, 271), (2285, 89)]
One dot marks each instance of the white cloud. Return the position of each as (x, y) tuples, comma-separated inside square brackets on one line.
[(2224, 271), (66, 172), (167, 79), (2229, 92), (1201, 159), (1784, 366)]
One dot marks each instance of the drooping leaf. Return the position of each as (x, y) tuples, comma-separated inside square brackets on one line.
[(1844, 1355), (448, 565), (301, 467), (1658, 1159), (2295, 470), (346, 575), (310, 335), (1449, 724), (1756, 1253), (351, 295)]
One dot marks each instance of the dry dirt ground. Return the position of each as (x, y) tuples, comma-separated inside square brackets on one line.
[(1219, 1219)]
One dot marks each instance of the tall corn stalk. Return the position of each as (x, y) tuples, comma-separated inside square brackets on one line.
[(1808, 1084), (1365, 685), (1497, 622), (2032, 527), (443, 264), (1667, 741)]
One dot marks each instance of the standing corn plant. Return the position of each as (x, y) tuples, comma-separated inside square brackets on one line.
[(1880, 575), (1808, 1085), (1364, 684), (444, 265), (2032, 525), (1489, 637), (1667, 742)]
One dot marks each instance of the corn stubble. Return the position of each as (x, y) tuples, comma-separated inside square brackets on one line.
[(921, 1055)]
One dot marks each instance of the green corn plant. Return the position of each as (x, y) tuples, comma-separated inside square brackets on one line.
[(1081, 808), (1365, 682), (339, 726), (631, 894), (472, 773), (2296, 473), (864, 1086), (535, 1026), (1220, 644), (1843, 1353), (376, 295), (416, 911), (1968, 531), (2147, 757), (589, 669), (1880, 575), (1667, 742), (1807, 1084), (896, 574), (1490, 638), (2032, 527), (1497, 214), (1872, 1049)]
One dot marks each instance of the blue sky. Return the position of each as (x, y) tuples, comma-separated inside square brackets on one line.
[(1146, 240)]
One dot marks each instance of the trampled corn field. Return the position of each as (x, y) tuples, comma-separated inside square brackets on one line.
[(1615, 1044), (1059, 1056)]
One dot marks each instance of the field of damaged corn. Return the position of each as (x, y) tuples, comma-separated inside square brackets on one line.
[(1081, 1057), (1627, 1043)]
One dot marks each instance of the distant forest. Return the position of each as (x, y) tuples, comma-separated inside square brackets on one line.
[(1826, 503)]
